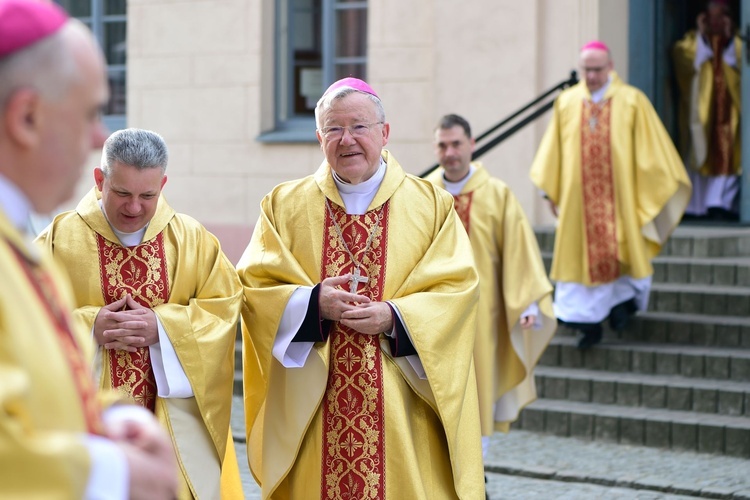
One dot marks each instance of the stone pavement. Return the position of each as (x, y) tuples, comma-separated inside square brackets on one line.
[(527, 465)]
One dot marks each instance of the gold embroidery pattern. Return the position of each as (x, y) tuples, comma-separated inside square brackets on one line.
[(599, 192), (353, 459), (462, 202), (140, 271)]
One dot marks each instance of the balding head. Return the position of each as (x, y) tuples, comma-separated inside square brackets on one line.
[(595, 64), (51, 94)]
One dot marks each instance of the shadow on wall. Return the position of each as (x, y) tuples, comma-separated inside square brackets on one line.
[(233, 239)]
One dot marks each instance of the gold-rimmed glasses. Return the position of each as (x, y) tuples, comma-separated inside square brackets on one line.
[(356, 130)]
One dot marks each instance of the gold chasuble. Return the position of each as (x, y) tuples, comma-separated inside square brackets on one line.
[(355, 421), (710, 106), (511, 278), (617, 180), (46, 391), (180, 273)]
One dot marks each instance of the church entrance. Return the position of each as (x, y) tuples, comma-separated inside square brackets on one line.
[(654, 28)]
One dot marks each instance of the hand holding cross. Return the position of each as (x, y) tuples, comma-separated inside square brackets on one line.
[(356, 279)]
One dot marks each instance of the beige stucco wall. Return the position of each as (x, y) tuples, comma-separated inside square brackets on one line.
[(200, 72)]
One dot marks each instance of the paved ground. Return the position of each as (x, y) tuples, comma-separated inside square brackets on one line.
[(524, 465)]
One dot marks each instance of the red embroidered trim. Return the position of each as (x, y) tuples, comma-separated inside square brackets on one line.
[(353, 461), (46, 290), (462, 202), (720, 145), (140, 271), (599, 192)]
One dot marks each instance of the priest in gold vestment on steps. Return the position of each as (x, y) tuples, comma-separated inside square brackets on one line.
[(619, 188), (162, 302), (707, 66), (515, 321), (358, 325)]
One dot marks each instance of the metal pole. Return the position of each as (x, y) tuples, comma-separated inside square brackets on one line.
[(497, 140)]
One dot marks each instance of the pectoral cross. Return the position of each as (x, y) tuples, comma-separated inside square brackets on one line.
[(356, 279)]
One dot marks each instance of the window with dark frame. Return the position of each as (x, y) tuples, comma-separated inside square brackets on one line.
[(317, 42), (107, 19)]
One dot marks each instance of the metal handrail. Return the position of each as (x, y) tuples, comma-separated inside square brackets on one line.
[(518, 126)]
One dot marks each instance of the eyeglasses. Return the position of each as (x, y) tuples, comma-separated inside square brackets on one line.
[(356, 130)]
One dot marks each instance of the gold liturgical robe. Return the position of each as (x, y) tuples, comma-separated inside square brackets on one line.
[(708, 145), (617, 180), (45, 384), (180, 272), (418, 438), (511, 278)]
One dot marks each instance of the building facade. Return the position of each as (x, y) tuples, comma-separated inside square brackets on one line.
[(230, 84)]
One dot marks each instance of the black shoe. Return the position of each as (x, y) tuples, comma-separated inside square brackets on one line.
[(721, 214), (620, 315), (692, 217), (589, 340), (592, 334)]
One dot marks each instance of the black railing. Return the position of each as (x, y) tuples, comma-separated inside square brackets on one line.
[(518, 126)]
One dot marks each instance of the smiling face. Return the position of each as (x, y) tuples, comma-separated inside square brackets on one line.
[(129, 195), (354, 158)]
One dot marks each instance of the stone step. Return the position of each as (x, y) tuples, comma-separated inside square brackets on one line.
[(649, 391), (238, 381), (686, 241), (700, 299), (723, 271), (648, 358), (679, 430), (686, 328)]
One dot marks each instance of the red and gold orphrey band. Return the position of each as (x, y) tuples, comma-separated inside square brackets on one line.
[(720, 161), (462, 203), (353, 462), (140, 271), (598, 192), (49, 297)]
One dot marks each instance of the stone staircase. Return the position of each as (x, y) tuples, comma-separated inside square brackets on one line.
[(679, 376)]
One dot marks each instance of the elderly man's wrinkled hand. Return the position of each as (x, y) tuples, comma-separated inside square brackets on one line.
[(333, 301), (371, 319)]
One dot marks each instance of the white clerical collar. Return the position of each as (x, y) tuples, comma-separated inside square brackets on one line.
[(15, 204), (127, 239), (455, 188), (357, 197), (598, 94)]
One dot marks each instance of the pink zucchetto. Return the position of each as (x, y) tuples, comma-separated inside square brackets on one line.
[(351, 82), (595, 45), (25, 22)]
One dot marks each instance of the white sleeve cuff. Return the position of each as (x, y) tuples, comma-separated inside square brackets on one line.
[(533, 310), (293, 354), (109, 476), (413, 360), (171, 380), (730, 55)]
